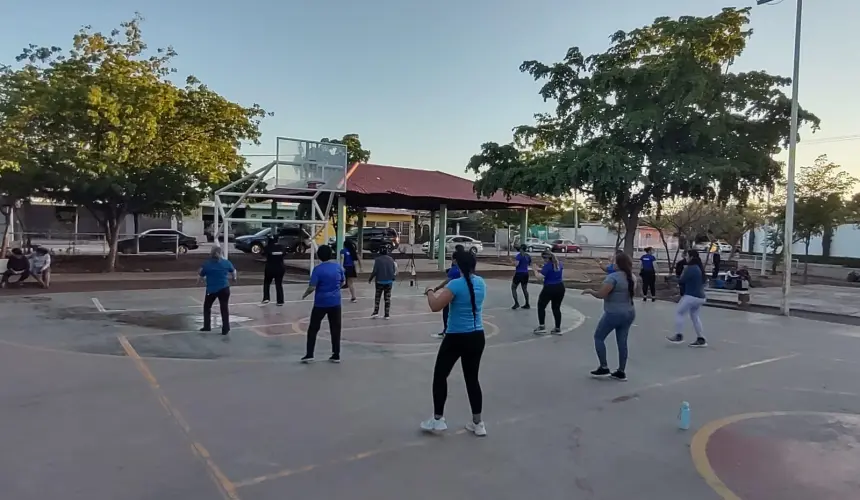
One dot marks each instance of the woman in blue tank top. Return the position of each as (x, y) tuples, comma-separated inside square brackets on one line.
[(464, 340)]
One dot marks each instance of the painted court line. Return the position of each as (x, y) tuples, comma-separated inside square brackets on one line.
[(225, 486), (366, 454), (98, 304)]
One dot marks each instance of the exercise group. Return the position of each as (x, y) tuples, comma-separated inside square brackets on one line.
[(460, 299)]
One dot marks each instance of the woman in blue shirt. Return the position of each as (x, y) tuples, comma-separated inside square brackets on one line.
[(648, 272), (692, 285), (452, 274), (326, 281), (521, 277), (216, 271), (551, 293), (464, 341), (350, 261)]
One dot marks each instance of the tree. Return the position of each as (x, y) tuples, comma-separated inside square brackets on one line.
[(683, 219), (822, 202), (658, 116), (103, 127)]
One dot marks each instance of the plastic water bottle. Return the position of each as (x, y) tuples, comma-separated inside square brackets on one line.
[(684, 416)]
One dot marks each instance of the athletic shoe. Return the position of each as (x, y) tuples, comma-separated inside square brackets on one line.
[(225, 332), (438, 335), (434, 425), (653, 299), (205, 329), (335, 358), (353, 300), (675, 339), (600, 372), (699, 342), (515, 307), (556, 331), (619, 376), (644, 299), (374, 315), (264, 302), (387, 317), (527, 306), (308, 359), (280, 304), (478, 429), (541, 330)]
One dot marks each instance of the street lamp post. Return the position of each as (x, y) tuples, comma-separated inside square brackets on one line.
[(792, 150)]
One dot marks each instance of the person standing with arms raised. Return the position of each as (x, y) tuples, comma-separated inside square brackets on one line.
[(274, 271), (648, 273), (464, 341), (216, 271), (552, 292), (521, 277), (453, 273), (326, 281)]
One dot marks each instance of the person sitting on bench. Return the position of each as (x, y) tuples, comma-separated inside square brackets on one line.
[(17, 265), (40, 266)]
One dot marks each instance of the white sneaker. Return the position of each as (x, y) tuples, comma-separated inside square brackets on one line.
[(264, 302), (374, 315), (478, 429), (434, 425), (438, 335)]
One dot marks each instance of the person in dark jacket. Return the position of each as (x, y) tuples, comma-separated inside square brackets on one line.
[(274, 270), (716, 265), (692, 299), (17, 265), (384, 272)]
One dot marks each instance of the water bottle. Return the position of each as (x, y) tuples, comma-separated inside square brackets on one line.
[(684, 416)]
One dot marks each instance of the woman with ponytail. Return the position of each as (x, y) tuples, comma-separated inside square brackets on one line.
[(551, 293), (618, 314), (692, 285), (464, 340)]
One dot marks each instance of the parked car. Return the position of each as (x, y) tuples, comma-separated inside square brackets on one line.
[(706, 246), (565, 246), (292, 238), (374, 239), (536, 245), (237, 229), (451, 242), (159, 240)]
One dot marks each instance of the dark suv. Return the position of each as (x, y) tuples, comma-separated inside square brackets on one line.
[(374, 238), (293, 239)]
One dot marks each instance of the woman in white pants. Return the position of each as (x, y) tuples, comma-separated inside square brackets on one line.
[(692, 285)]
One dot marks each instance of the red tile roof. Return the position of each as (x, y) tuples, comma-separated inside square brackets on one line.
[(398, 187)]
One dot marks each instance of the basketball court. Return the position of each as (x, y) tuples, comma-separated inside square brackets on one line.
[(117, 395)]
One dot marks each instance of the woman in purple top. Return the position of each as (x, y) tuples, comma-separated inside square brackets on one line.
[(552, 292), (521, 277)]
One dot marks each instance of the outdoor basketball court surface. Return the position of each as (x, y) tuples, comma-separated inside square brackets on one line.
[(118, 396)]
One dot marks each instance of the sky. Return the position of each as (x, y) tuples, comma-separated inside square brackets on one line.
[(424, 84)]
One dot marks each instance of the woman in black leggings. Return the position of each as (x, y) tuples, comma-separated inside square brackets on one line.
[(551, 293), (464, 340)]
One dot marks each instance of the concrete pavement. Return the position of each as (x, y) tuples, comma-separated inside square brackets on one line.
[(116, 395)]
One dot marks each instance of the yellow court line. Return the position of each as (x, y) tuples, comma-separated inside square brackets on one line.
[(225, 486), (699, 445)]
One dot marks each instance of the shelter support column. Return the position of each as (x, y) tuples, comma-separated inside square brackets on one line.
[(443, 231), (341, 223), (431, 246), (360, 237), (524, 226)]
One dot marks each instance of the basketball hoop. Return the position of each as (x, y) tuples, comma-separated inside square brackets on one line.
[(315, 184)]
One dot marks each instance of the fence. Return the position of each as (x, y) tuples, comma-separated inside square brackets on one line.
[(59, 243)]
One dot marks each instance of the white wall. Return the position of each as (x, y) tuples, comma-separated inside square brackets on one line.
[(845, 243)]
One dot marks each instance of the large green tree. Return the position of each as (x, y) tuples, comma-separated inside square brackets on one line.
[(103, 126), (657, 116)]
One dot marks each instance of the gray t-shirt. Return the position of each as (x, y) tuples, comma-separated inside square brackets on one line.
[(618, 300)]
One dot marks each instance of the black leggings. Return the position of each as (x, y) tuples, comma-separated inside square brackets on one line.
[(649, 282), (334, 321), (520, 280), (276, 275), (223, 298), (551, 294), (468, 348)]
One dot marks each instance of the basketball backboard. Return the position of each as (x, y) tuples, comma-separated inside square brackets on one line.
[(303, 165)]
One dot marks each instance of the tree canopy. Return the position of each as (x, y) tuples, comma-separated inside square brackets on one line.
[(103, 126), (657, 116)]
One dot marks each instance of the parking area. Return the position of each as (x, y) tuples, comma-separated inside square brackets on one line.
[(118, 395)]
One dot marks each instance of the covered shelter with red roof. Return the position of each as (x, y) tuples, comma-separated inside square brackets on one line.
[(369, 185)]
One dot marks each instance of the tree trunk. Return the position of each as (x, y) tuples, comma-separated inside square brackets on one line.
[(806, 261), (136, 219), (110, 225), (631, 224), (666, 247), (826, 241), (4, 247)]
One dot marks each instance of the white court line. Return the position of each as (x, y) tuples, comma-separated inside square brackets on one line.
[(195, 299), (98, 304), (715, 372)]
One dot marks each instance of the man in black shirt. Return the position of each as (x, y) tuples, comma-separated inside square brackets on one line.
[(17, 265), (274, 270)]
